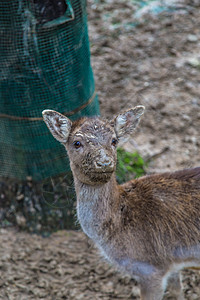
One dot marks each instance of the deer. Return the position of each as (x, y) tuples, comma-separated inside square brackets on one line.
[(149, 227)]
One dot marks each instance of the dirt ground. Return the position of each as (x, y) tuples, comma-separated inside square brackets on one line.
[(156, 64)]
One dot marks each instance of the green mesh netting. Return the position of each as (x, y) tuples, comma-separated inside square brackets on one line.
[(44, 64)]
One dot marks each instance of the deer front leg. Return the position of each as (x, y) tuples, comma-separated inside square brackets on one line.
[(152, 289), (174, 288)]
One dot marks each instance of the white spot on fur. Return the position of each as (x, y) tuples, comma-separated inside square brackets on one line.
[(79, 134), (85, 135)]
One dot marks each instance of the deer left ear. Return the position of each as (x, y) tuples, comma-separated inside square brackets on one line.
[(126, 122), (58, 124)]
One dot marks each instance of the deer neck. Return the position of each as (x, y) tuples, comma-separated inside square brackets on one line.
[(95, 205)]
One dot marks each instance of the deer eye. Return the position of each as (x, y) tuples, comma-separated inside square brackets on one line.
[(114, 142), (77, 144)]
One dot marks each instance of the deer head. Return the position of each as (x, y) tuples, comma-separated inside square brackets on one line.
[(91, 142)]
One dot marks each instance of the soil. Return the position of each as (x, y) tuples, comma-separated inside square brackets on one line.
[(144, 58)]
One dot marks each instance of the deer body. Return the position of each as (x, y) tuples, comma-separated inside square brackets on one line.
[(148, 227)]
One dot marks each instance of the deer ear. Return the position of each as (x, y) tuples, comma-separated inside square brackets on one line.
[(58, 125), (125, 123)]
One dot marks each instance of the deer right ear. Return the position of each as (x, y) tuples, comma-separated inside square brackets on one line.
[(58, 124), (126, 122)]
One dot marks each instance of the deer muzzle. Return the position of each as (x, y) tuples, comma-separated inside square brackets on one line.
[(104, 162)]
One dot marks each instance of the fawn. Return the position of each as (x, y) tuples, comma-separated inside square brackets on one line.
[(148, 227)]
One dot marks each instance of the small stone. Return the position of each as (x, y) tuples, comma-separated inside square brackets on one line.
[(194, 62), (21, 221), (190, 139), (186, 117), (192, 38), (195, 102), (20, 197), (38, 227), (108, 287), (146, 84)]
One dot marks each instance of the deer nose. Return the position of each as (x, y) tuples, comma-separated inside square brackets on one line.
[(104, 162), (105, 165)]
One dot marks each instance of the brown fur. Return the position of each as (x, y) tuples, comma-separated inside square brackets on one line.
[(169, 202)]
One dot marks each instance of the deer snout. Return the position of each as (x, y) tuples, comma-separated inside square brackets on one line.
[(104, 162)]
